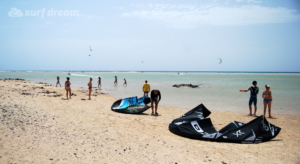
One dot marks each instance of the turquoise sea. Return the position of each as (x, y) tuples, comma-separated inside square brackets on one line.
[(218, 91)]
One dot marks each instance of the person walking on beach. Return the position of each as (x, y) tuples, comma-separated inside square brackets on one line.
[(267, 96), (253, 97), (146, 88), (99, 82), (125, 82), (90, 87), (57, 81), (155, 98), (68, 88), (116, 80)]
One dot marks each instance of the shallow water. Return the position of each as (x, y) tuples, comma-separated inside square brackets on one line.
[(217, 91)]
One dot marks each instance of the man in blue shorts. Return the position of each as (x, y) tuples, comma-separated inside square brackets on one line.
[(253, 97)]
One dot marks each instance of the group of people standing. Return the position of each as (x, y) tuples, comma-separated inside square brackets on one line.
[(154, 95), (266, 95), (68, 86)]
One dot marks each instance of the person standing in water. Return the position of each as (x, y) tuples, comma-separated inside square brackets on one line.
[(68, 88), (99, 82), (155, 98), (146, 88), (125, 82), (267, 96), (57, 81), (90, 87), (116, 80), (253, 97)]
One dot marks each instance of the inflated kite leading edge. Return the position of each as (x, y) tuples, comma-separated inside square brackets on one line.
[(132, 105)]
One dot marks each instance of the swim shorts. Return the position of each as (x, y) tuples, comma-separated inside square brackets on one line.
[(252, 100)]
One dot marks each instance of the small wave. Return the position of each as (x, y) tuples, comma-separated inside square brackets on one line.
[(79, 75)]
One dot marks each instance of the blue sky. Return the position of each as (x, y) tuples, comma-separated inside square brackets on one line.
[(167, 35)]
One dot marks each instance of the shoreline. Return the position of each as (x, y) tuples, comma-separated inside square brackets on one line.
[(43, 127), (225, 108)]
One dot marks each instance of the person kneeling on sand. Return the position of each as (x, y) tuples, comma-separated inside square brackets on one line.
[(68, 87), (90, 88), (155, 98)]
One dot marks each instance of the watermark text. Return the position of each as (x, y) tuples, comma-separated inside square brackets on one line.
[(14, 12)]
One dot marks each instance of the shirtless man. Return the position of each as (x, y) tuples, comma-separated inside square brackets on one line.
[(90, 87)]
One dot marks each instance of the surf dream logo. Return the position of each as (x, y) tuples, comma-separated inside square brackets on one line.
[(14, 12)]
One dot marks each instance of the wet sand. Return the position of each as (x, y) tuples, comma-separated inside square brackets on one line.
[(39, 125)]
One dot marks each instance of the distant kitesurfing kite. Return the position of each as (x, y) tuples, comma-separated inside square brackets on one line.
[(91, 49), (142, 61), (220, 60)]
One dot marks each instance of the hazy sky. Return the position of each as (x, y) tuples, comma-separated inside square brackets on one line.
[(144, 35)]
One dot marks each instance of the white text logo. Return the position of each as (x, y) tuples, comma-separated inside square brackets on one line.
[(238, 133), (14, 12)]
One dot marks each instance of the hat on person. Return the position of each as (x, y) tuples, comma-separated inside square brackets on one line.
[(268, 86)]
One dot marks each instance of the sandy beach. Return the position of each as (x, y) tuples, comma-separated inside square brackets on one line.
[(39, 125)]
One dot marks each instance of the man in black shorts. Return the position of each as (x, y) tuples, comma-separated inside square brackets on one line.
[(155, 98), (253, 97)]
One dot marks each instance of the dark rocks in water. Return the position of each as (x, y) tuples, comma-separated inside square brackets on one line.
[(13, 79), (185, 85), (48, 92), (26, 93)]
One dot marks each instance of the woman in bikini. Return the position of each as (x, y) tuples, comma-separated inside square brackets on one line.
[(68, 88), (267, 95), (90, 85)]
